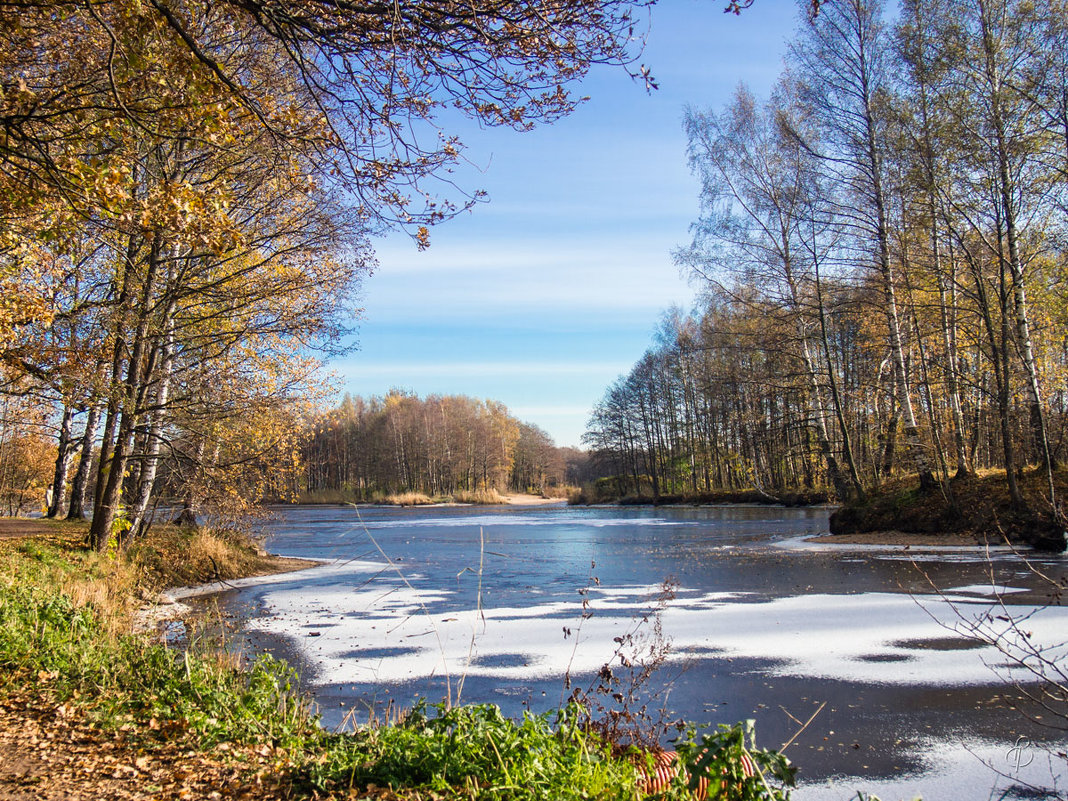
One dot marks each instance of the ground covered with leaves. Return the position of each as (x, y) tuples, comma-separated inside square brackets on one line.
[(50, 751)]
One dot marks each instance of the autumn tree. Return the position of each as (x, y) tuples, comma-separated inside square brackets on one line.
[(439, 445), (843, 54), (201, 178), (907, 228)]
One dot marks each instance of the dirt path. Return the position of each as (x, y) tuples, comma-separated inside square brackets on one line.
[(11, 527)]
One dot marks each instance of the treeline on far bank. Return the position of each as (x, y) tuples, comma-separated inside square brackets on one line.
[(407, 449), (441, 446)]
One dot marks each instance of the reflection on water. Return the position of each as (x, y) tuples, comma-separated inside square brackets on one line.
[(416, 600)]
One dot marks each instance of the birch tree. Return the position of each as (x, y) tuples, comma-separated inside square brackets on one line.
[(842, 56)]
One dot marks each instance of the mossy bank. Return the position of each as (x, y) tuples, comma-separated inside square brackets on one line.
[(970, 506)]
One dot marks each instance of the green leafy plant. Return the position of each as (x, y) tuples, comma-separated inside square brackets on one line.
[(718, 761), (475, 751)]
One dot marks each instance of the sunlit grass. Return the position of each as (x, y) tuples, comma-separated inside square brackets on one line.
[(485, 497)]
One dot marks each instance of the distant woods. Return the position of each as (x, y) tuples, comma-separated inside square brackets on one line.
[(439, 446), (881, 253)]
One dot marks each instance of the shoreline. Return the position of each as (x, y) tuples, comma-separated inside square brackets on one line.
[(516, 499), (156, 617), (904, 539), (274, 564), (510, 499)]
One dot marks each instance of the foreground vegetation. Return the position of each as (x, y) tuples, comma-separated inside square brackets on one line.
[(65, 655)]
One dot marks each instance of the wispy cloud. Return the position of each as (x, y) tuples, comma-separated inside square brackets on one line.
[(357, 369)]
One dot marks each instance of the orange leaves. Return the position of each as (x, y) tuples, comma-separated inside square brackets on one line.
[(192, 217)]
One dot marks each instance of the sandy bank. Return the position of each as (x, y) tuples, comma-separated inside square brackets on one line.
[(532, 500)]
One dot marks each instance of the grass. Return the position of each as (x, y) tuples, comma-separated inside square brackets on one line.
[(559, 492), (63, 639), (479, 496), (474, 751), (485, 497), (175, 557), (406, 499), (329, 496)]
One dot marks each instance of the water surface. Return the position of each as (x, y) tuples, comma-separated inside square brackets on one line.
[(509, 605)]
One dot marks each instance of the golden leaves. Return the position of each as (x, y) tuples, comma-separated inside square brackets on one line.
[(53, 752)]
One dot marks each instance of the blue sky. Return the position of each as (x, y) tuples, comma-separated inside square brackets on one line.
[(543, 296)]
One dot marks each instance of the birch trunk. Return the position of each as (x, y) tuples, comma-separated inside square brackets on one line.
[(80, 484), (63, 459)]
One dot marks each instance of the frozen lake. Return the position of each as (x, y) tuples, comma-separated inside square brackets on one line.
[(489, 603)]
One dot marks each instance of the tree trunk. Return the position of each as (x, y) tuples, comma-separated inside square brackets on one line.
[(154, 434), (110, 497), (80, 484), (63, 458), (1019, 292)]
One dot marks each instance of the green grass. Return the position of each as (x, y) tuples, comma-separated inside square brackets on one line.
[(71, 652)]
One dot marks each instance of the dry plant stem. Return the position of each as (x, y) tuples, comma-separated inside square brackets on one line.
[(422, 606), (584, 592), (803, 726), (1014, 643), (631, 724), (481, 613)]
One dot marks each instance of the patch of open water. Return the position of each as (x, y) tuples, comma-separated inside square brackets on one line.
[(421, 602)]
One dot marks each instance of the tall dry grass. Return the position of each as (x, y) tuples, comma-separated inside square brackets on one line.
[(407, 499), (484, 497), (330, 496), (560, 491)]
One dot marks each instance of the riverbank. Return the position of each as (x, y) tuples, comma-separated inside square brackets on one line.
[(461, 498), (902, 539), (712, 498), (88, 710), (975, 508)]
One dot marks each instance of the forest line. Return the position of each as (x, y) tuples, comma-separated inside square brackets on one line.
[(881, 256), (439, 446)]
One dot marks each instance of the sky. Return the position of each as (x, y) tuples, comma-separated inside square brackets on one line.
[(543, 296)]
